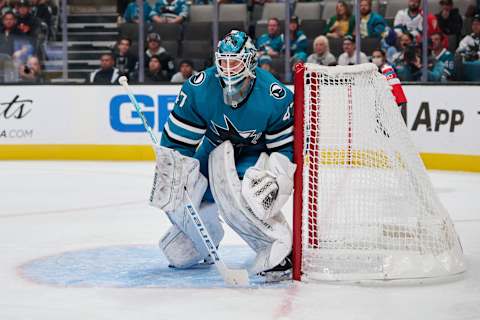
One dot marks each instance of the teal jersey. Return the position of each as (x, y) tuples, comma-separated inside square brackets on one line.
[(299, 44), (448, 59), (264, 42), (200, 120)]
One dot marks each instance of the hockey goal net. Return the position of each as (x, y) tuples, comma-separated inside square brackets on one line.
[(364, 207)]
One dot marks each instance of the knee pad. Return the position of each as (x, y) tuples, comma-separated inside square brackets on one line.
[(179, 249)]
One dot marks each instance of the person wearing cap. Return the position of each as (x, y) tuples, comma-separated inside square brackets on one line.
[(298, 40), (469, 47), (321, 52), (154, 48), (26, 22), (5, 6), (154, 72), (372, 24), (185, 71), (169, 11), (449, 19), (349, 55), (266, 63)]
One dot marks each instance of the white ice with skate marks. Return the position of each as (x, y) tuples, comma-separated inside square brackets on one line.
[(78, 241)]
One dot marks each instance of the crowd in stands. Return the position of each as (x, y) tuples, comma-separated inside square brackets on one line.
[(399, 40), (25, 27), (453, 47)]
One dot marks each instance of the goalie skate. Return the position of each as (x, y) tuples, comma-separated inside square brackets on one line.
[(281, 272)]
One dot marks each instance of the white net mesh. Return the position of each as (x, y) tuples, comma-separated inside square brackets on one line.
[(369, 209)]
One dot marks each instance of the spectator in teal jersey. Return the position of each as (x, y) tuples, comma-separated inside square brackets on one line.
[(440, 53), (131, 13), (298, 40), (169, 11), (372, 24), (271, 43)]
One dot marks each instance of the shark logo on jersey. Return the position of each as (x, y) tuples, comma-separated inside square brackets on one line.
[(197, 79), (230, 132), (277, 91)]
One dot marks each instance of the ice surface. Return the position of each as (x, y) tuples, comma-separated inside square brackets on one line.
[(64, 225)]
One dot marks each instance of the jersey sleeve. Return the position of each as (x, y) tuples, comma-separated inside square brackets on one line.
[(279, 137), (184, 128), (395, 84)]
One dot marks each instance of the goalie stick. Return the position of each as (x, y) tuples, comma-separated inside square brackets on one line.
[(232, 277)]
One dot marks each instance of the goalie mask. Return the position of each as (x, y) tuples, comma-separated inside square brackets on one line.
[(236, 60)]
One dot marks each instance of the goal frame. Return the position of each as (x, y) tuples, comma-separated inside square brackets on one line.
[(428, 248), (298, 115)]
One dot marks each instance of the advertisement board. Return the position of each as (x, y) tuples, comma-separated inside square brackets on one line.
[(98, 122)]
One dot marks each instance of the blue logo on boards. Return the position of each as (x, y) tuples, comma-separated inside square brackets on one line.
[(124, 118)]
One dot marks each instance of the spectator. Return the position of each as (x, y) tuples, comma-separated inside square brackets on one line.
[(26, 22), (271, 43), (107, 74), (341, 24), (372, 24), (124, 60), (349, 55), (449, 19), (154, 72), (9, 33), (185, 72), (321, 52), (441, 54), (411, 67), (409, 20), (265, 62), (31, 72), (379, 59), (131, 14), (5, 7), (298, 40), (121, 7), (469, 47), (169, 11), (154, 49), (406, 40), (42, 11)]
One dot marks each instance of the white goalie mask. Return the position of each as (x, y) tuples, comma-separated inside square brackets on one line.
[(236, 60)]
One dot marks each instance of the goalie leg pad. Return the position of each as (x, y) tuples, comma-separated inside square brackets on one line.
[(179, 249), (209, 215), (174, 172), (271, 239)]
